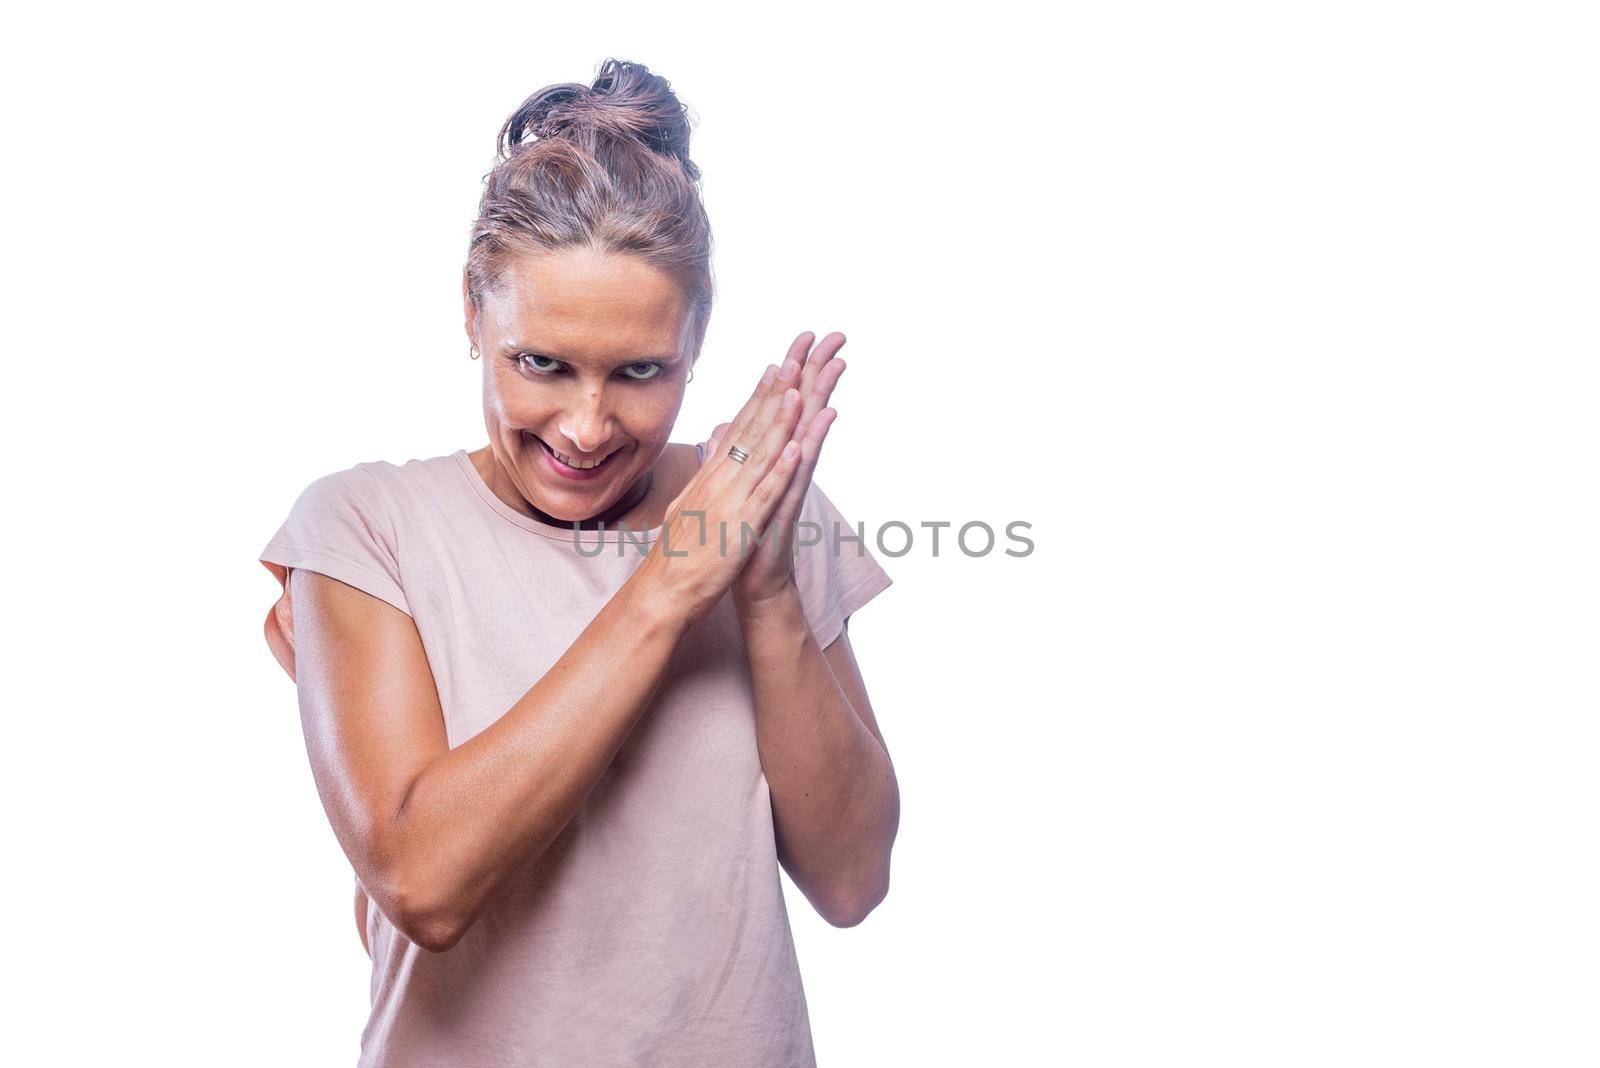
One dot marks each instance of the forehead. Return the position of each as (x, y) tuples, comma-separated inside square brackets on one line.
[(586, 302)]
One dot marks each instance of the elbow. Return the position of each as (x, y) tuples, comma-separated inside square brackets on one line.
[(436, 935), (414, 894), (426, 923), (856, 899), (420, 909), (848, 910)]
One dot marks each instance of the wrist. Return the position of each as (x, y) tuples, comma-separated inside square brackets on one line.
[(782, 604), (650, 604)]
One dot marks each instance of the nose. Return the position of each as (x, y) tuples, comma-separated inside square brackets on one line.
[(586, 428)]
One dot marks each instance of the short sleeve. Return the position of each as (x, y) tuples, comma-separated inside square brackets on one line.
[(340, 527), (835, 571)]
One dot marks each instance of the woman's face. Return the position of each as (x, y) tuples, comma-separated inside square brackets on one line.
[(583, 360)]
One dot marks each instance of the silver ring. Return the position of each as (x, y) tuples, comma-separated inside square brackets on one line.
[(738, 454)]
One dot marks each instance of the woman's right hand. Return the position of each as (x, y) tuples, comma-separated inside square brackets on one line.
[(704, 544)]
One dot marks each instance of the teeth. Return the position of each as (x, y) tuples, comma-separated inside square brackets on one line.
[(581, 465)]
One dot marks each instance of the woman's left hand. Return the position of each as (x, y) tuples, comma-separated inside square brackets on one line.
[(770, 569)]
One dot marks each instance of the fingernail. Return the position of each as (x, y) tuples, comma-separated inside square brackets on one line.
[(772, 370), (790, 396), (787, 372), (790, 449)]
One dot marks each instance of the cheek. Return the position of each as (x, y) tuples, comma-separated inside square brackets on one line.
[(510, 404), (646, 415), (650, 417)]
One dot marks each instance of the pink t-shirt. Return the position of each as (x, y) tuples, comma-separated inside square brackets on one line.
[(653, 930)]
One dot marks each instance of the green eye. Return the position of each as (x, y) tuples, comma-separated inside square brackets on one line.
[(649, 368)]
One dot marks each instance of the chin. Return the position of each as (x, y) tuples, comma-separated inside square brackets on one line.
[(564, 497)]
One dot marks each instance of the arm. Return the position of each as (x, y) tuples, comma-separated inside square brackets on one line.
[(435, 833), (835, 800)]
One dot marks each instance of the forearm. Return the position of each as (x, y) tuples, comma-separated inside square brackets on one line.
[(834, 795), (484, 809)]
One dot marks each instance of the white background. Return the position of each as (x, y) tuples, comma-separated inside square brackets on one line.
[(1277, 322)]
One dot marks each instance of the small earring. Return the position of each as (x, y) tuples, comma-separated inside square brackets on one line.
[(474, 352), (691, 376)]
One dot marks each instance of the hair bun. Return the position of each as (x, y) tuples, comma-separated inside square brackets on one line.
[(625, 101)]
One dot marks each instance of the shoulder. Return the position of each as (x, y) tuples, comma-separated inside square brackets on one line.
[(380, 486), (358, 517), (349, 499), (340, 526), (355, 484)]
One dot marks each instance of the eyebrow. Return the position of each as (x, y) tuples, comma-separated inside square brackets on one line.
[(512, 347)]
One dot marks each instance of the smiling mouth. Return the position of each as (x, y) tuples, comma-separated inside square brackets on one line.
[(576, 465)]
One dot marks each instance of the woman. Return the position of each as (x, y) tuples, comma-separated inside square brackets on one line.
[(565, 758)]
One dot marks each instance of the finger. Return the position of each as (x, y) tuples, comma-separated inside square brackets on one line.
[(792, 371), (789, 371), (800, 346), (788, 512), (743, 436), (790, 374), (821, 392), (748, 435), (762, 394), (819, 359), (816, 434), (771, 489), (764, 449), (713, 444)]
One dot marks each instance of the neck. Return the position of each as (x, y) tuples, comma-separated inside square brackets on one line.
[(506, 490), (609, 518), (500, 484)]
